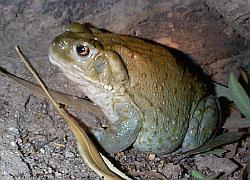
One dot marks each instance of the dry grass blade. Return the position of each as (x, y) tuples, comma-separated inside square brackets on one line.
[(226, 138), (59, 96), (244, 75), (86, 147)]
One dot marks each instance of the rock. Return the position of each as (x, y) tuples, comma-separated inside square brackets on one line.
[(215, 164), (235, 12), (171, 171)]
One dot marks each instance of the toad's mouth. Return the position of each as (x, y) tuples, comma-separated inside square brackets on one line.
[(53, 59), (71, 72)]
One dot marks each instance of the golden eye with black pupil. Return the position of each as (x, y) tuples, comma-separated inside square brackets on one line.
[(82, 50)]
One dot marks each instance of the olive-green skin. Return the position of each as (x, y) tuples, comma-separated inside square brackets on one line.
[(153, 101)]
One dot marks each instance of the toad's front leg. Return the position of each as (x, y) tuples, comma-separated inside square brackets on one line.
[(122, 133)]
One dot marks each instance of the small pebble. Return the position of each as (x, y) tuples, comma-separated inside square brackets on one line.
[(151, 157), (42, 151), (14, 130), (58, 175), (13, 144), (69, 154)]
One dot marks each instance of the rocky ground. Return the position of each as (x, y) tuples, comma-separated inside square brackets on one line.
[(35, 143)]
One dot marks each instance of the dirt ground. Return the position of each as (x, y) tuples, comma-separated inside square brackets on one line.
[(35, 143)]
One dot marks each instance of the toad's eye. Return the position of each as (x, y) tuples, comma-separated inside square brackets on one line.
[(82, 50)]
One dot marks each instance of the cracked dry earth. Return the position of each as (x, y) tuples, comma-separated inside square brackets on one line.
[(35, 143)]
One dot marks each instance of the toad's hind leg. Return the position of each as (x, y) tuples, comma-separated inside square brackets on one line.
[(203, 122)]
